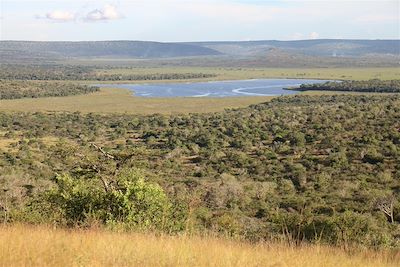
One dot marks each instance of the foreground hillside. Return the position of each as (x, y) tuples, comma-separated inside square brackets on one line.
[(41, 246), (303, 168)]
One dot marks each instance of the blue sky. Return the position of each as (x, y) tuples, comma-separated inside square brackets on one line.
[(196, 20)]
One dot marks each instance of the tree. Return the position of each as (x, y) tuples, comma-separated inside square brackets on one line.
[(386, 205)]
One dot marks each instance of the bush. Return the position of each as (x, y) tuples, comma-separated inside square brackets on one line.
[(137, 203), (345, 229), (131, 203), (352, 228)]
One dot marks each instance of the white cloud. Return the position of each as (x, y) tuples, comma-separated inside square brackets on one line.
[(58, 16), (314, 35), (108, 12)]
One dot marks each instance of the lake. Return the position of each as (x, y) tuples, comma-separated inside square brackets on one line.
[(257, 87)]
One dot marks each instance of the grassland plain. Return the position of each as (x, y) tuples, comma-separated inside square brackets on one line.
[(249, 73), (114, 100), (111, 100), (47, 246)]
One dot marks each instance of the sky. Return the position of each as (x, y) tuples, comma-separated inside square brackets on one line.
[(198, 20)]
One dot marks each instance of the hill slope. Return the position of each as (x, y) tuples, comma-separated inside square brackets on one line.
[(311, 53), (322, 47), (131, 49)]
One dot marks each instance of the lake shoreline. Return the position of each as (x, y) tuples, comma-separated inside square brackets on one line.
[(215, 89)]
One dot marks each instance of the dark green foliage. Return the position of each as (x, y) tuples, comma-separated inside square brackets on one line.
[(30, 89), (376, 86), (81, 73)]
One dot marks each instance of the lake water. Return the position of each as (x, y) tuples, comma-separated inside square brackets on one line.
[(259, 87)]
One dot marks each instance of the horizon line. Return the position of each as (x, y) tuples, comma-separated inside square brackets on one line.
[(209, 41)]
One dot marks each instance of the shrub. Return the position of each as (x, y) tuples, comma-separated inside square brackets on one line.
[(129, 203)]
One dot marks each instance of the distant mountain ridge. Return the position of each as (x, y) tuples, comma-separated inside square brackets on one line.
[(319, 47), (21, 51), (132, 49)]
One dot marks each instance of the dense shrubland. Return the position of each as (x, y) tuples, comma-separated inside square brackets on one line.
[(86, 73), (375, 86), (305, 168), (34, 89), (44, 72)]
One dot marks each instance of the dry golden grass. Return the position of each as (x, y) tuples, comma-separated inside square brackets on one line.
[(110, 100), (113, 100), (41, 246), (6, 144), (252, 73)]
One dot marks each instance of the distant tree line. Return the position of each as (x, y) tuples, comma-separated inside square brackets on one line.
[(12, 89), (44, 72), (145, 77), (375, 85), (83, 73)]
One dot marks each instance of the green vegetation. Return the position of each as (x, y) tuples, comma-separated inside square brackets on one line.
[(30, 89), (304, 168), (256, 73), (81, 73), (110, 100), (376, 86), (126, 201), (315, 177), (95, 71), (151, 77), (43, 72), (320, 167)]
